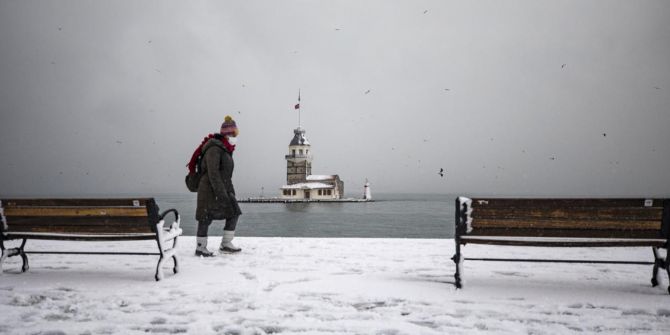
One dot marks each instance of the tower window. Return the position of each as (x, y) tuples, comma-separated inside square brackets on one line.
[(293, 152), (300, 151)]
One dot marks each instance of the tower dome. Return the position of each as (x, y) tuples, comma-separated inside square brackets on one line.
[(299, 137)]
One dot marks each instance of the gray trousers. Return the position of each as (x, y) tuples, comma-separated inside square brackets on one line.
[(203, 226)]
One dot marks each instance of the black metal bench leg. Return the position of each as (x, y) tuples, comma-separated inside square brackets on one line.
[(175, 269), (657, 263), (24, 257), (159, 270), (6, 253), (459, 263)]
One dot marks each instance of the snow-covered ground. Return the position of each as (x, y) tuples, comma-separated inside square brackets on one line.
[(330, 286)]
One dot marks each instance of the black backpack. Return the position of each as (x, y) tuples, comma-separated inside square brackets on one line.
[(193, 179)]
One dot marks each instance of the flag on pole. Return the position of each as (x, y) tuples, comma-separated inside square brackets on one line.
[(297, 106)]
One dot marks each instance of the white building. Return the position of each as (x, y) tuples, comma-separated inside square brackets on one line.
[(301, 184)]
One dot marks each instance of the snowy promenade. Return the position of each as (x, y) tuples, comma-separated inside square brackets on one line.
[(330, 286)]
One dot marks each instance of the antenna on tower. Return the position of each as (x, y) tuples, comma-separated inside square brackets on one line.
[(297, 106)]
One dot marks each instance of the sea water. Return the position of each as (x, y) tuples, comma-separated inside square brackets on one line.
[(389, 216)]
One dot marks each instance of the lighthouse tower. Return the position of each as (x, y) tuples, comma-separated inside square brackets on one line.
[(367, 195), (299, 159)]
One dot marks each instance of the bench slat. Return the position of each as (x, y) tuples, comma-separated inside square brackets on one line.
[(8, 203), (620, 214), (571, 233), (562, 203), (107, 225), (565, 242), (579, 224), (83, 229), (18, 221), (76, 236), (74, 211)]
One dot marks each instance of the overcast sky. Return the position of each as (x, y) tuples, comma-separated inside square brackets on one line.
[(568, 98)]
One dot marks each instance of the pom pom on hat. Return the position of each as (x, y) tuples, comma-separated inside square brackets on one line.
[(229, 127)]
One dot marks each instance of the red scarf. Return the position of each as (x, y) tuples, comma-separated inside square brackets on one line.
[(198, 151)]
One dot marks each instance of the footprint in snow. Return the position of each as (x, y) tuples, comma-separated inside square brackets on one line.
[(635, 311), (364, 306), (26, 301), (248, 276), (158, 321), (512, 274)]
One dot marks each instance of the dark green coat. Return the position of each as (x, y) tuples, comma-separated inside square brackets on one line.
[(216, 193)]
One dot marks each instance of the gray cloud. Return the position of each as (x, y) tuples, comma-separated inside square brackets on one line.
[(529, 97)]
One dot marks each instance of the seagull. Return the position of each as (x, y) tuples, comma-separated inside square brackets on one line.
[(425, 11), (604, 134), (441, 173), (446, 89), (368, 91), (562, 66)]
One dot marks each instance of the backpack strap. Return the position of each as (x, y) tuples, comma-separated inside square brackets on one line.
[(199, 168)]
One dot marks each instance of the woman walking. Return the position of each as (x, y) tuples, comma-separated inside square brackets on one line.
[(216, 194)]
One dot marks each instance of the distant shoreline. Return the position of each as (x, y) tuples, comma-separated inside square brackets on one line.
[(281, 200)]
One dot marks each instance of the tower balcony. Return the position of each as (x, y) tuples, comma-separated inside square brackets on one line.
[(298, 156)]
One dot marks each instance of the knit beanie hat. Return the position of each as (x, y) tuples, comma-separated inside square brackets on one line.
[(229, 127)]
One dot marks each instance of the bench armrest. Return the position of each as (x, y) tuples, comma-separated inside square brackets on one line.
[(175, 224)]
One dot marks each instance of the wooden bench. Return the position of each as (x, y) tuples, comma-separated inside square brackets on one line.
[(564, 223), (87, 220)]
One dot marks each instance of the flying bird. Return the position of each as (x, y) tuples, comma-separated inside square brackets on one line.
[(425, 11), (368, 91), (562, 66), (441, 173)]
